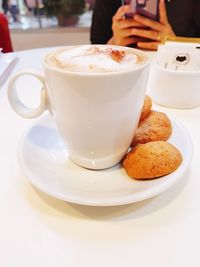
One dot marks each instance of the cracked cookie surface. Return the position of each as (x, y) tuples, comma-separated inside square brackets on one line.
[(152, 160), (155, 127)]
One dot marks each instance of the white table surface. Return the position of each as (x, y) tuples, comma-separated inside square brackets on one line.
[(38, 230)]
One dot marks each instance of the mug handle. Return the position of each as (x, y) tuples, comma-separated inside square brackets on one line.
[(16, 103)]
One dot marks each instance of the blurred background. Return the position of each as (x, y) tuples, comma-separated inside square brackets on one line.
[(44, 23)]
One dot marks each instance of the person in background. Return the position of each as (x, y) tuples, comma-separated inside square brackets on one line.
[(5, 6), (27, 6), (35, 6), (13, 8), (176, 18)]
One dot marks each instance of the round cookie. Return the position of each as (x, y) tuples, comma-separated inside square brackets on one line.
[(152, 160), (146, 107), (155, 127)]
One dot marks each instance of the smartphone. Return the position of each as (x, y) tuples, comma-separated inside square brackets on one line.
[(146, 8)]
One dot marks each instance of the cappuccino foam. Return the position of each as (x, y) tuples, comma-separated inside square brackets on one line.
[(95, 58)]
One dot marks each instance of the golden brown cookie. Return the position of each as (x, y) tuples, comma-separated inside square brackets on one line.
[(146, 107), (152, 160), (155, 127)]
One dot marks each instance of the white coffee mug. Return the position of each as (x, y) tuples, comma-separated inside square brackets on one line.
[(174, 89), (96, 112)]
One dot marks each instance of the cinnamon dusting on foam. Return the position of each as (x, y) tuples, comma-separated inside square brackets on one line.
[(115, 55), (95, 59)]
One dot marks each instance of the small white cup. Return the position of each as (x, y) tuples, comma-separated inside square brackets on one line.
[(174, 89), (96, 113)]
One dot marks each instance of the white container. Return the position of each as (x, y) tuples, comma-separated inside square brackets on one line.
[(174, 89)]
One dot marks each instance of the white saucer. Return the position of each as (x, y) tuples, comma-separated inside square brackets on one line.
[(45, 162)]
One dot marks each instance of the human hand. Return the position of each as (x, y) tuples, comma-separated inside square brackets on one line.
[(122, 28), (156, 32)]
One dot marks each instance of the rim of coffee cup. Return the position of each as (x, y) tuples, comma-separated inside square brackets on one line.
[(79, 73)]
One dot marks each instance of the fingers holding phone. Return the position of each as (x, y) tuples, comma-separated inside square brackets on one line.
[(157, 30), (162, 25), (122, 28), (141, 22)]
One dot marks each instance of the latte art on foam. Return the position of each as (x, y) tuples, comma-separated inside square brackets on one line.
[(94, 58)]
